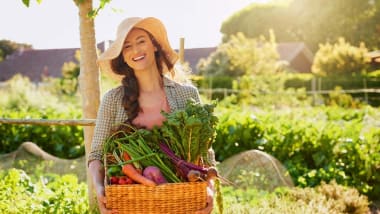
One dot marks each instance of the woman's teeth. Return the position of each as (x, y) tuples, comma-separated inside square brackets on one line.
[(138, 58)]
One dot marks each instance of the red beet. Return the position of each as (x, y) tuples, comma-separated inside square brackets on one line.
[(154, 173)]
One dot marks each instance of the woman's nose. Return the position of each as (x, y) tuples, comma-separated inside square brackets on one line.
[(135, 49)]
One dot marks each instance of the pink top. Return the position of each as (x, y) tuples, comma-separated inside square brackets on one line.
[(151, 116)]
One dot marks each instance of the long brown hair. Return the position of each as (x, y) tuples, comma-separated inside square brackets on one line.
[(129, 81)]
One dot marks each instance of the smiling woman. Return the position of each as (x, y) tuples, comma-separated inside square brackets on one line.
[(143, 60)]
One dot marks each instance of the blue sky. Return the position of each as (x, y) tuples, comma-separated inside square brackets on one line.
[(55, 24)]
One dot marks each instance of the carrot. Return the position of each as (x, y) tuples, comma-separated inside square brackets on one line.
[(133, 173), (126, 156), (130, 171)]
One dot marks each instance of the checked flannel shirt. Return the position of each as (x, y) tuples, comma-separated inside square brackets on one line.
[(111, 111)]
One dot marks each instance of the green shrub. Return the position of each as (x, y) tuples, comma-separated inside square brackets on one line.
[(21, 99), (60, 141), (237, 132), (314, 144), (326, 198), (241, 55), (340, 58), (20, 193)]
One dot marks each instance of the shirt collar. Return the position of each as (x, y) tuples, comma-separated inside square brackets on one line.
[(168, 82)]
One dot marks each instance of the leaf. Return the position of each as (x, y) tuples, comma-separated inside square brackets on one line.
[(26, 2)]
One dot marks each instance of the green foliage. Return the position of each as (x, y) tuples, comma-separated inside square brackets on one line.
[(241, 55), (70, 72), (326, 198), (21, 193), (309, 21), (340, 58), (61, 141), (314, 144), (22, 99), (190, 132), (339, 98), (268, 91), (210, 83), (7, 47), (237, 131), (50, 193), (20, 94), (339, 87)]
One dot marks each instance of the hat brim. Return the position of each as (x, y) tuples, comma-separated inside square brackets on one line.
[(151, 25)]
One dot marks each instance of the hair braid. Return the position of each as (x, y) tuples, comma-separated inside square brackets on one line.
[(131, 89)]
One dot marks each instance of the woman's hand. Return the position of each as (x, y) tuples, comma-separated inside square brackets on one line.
[(209, 200), (97, 171), (208, 208), (102, 201)]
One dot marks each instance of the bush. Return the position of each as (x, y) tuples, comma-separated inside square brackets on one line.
[(340, 58), (326, 198), (60, 141), (21, 193), (314, 144), (21, 99), (241, 55)]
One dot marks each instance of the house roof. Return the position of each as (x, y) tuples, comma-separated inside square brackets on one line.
[(288, 51), (375, 56), (193, 55), (36, 63)]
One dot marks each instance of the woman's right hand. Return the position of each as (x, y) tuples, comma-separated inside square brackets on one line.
[(97, 171), (102, 201)]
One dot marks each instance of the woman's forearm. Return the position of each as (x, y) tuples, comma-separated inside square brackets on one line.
[(97, 171)]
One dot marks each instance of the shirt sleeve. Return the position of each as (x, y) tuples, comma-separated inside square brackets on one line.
[(104, 124), (195, 95)]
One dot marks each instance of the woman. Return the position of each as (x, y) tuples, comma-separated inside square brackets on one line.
[(142, 58)]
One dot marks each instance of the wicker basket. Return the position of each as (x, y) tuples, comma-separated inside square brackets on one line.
[(185, 197)]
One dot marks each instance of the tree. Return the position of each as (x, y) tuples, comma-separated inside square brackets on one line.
[(7, 47), (310, 21), (242, 56), (89, 73), (340, 58)]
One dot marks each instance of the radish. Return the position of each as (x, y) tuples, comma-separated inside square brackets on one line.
[(154, 173)]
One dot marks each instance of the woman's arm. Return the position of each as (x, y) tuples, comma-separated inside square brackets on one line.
[(104, 122), (97, 171)]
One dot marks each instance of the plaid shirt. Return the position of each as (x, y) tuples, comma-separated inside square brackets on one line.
[(112, 113)]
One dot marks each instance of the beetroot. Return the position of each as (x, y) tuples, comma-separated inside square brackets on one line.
[(154, 173)]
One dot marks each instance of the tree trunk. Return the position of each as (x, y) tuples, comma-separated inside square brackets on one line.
[(88, 80)]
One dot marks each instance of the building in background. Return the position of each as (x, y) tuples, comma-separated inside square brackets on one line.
[(35, 64)]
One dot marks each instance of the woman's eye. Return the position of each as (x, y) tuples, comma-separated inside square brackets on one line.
[(141, 41), (127, 46)]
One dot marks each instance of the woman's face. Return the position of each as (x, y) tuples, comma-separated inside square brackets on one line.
[(138, 50)]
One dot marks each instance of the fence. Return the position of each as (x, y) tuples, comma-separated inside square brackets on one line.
[(359, 88), (83, 122)]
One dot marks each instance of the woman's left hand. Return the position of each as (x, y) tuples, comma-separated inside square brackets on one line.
[(208, 208), (209, 200)]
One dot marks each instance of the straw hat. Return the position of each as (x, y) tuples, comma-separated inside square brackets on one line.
[(150, 24)]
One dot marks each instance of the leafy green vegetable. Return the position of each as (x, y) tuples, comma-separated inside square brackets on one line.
[(190, 132)]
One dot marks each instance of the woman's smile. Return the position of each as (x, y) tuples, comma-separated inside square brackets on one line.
[(138, 58)]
